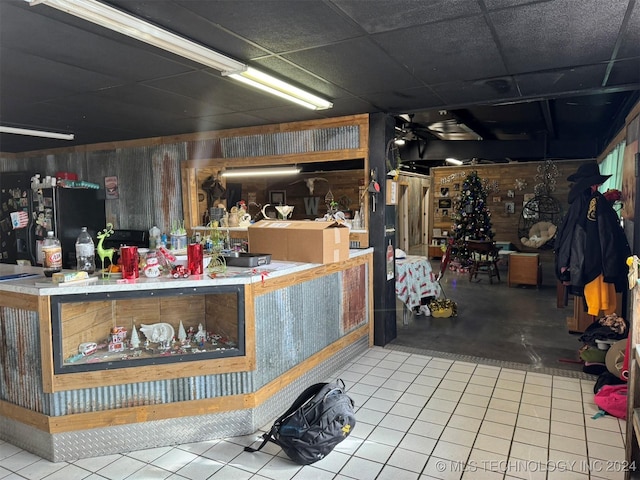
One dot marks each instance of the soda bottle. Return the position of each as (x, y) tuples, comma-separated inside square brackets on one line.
[(85, 252), (52, 252)]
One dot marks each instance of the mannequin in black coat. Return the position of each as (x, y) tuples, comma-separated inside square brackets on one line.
[(590, 242)]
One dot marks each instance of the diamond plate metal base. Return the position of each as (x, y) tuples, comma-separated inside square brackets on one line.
[(70, 446)]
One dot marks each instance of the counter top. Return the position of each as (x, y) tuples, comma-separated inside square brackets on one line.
[(233, 276)]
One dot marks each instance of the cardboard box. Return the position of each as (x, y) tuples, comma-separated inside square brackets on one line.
[(300, 241)]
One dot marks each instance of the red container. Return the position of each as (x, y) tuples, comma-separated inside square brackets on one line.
[(67, 175), (129, 260), (194, 258)]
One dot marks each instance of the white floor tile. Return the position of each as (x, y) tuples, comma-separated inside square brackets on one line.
[(533, 423), (409, 460), (465, 423), (458, 436), (200, 469), (418, 417), (394, 473), (418, 443), (566, 444), (479, 390), (396, 422), (37, 470), (376, 452), (361, 469)]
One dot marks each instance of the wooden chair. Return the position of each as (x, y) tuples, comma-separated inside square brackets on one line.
[(484, 259)]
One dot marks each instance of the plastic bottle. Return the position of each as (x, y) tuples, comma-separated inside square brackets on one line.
[(154, 237), (52, 252), (85, 252)]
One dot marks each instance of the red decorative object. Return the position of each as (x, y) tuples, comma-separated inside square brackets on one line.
[(612, 195)]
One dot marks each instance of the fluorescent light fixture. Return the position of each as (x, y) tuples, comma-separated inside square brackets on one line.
[(267, 83), (453, 161), (249, 172), (121, 22), (37, 133)]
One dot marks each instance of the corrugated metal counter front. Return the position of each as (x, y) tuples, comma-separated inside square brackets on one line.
[(296, 324)]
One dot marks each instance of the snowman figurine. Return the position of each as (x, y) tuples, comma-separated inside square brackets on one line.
[(152, 268)]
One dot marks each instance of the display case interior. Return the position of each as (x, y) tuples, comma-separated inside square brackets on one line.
[(97, 331)]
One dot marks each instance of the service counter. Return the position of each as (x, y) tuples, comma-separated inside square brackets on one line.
[(114, 366)]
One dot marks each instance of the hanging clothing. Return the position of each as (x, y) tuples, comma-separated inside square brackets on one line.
[(590, 243), (600, 296)]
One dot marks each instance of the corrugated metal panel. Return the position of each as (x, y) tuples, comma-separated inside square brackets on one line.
[(282, 143), (150, 393), (21, 373), (295, 310)]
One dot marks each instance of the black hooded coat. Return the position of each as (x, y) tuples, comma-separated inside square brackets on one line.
[(590, 242)]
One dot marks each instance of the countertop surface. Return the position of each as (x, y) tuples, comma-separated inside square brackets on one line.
[(37, 284)]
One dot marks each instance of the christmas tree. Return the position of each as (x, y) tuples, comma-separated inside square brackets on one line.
[(472, 219)]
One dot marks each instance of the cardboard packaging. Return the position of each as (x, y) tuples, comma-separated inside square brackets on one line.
[(300, 241)]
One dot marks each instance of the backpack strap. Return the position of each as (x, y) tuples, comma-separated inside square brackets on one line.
[(303, 398)]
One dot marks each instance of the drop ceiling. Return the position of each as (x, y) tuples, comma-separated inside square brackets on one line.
[(495, 79)]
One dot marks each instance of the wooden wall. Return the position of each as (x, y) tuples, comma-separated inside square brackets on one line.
[(344, 186), (520, 178)]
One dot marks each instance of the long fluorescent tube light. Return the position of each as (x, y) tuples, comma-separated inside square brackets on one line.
[(453, 161), (118, 21), (37, 133), (247, 172), (263, 81), (134, 27)]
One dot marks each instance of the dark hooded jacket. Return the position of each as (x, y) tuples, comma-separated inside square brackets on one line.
[(590, 242)]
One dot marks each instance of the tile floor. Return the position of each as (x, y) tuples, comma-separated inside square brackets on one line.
[(419, 417)]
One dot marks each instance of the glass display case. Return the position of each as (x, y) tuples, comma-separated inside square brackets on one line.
[(152, 327)]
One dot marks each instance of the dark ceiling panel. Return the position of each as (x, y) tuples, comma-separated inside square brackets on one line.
[(625, 72), (558, 81), (376, 17), (435, 55), (482, 91), (279, 26), (570, 33), (630, 44), (350, 65), (180, 18), (400, 101), (32, 79)]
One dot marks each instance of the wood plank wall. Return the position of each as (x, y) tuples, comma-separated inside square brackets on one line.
[(502, 176)]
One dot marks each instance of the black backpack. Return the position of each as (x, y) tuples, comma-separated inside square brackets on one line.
[(320, 418)]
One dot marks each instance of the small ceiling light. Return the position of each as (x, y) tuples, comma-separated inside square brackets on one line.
[(37, 133), (248, 172), (453, 161), (399, 141)]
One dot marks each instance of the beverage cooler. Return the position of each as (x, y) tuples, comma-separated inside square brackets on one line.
[(15, 214), (27, 214), (65, 211)]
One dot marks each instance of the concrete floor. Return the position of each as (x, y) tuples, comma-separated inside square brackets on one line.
[(521, 324)]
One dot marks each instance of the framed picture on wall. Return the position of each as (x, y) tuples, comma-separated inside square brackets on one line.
[(444, 191), (278, 197), (509, 207), (444, 203)]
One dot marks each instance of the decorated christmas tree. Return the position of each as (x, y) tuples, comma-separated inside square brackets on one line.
[(471, 219)]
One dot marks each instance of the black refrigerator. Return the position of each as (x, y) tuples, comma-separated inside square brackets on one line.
[(15, 198), (65, 211)]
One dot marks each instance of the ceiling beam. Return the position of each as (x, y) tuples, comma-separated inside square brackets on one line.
[(545, 107), (500, 149)]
